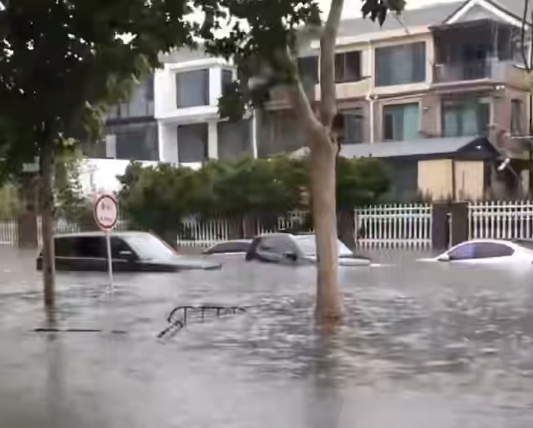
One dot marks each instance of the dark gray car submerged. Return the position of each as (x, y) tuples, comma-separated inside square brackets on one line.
[(131, 252)]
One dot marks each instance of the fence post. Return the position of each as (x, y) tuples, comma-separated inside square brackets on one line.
[(459, 222), (440, 226)]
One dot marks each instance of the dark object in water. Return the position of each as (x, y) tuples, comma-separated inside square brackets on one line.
[(177, 323)]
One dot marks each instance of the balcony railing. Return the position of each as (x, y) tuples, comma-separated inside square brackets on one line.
[(500, 71)]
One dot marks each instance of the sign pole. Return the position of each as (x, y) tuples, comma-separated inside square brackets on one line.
[(106, 215), (109, 259)]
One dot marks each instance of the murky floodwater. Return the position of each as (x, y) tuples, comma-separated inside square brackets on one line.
[(422, 344)]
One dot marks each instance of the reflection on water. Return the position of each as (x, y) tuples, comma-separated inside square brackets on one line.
[(421, 344)]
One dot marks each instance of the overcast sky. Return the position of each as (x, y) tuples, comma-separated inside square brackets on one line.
[(352, 8)]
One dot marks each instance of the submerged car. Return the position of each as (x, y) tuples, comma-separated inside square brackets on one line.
[(488, 251), (130, 251), (288, 249), (232, 247)]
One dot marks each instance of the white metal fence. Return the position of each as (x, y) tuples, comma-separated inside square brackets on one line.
[(501, 220), (385, 226), (394, 226)]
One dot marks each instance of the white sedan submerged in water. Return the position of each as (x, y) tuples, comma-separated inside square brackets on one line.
[(488, 251)]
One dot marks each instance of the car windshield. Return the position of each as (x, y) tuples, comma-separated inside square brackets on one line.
[(148, 247), (307, 245)]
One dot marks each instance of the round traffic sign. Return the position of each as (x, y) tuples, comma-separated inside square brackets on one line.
[(106, 212)]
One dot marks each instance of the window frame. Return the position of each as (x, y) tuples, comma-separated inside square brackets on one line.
[(205, 133), (341, 57), (459, 106), (398, 106), (379, 79), (206, 88)]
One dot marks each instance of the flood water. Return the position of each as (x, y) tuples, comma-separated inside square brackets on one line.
[(422, 345)]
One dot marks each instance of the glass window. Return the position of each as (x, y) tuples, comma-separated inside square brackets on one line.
[(234, 139), (277, 244), (93, 247), (353, 126), (227, 80), (308, 67), (307, 245), (148, 247), (516, 117), (462, 252), (525, 243), (136, 141), (192, 142), (485, 250), (398, 65), (401, 122), (192, 88), (465, 119), (141, 103), (117, 246), (230, 247), (348, 67)]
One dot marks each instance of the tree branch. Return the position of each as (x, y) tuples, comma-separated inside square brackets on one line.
[(298, 96), (328, 98)]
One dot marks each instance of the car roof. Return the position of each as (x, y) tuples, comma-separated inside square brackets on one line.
[(99, 234), (233, 241)]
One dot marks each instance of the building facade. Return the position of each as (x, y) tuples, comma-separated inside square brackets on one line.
[(448, 72)]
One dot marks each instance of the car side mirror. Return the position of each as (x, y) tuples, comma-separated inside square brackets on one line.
[(444, 258), (291, 256)]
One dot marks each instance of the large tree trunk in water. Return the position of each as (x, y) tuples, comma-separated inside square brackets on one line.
[(27, 221), (47, 216), (323, 199)]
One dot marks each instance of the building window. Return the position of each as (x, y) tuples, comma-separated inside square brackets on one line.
[(353, 126), (348, 67), (465, 119), (136, 142), (226, 80), (516, 117), (192, 143), (192, 88), (398, 65), (234, 139), (141, 103), (308, 67), (401, 122)]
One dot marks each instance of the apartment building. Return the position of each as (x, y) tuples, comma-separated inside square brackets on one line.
[(439, 95)]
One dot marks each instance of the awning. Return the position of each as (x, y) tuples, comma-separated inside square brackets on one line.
[(431, 148)]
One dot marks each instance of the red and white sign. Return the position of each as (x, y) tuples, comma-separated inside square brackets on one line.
[(106, 212)]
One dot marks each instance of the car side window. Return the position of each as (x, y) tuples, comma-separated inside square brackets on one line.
[(62, 247), (463, 252), (117, 246), (485, 250), (279, 245), (92, 247), (229, 247)]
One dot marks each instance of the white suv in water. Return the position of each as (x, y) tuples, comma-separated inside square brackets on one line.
[(488, 251)]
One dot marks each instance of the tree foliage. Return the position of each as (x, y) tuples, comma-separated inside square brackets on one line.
[(62, 62), (248, 187)]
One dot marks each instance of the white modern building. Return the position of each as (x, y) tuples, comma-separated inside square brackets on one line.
[(186, 94)]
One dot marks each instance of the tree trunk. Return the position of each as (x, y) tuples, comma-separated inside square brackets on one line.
[(47, 218), (323, 199), (27, 221)]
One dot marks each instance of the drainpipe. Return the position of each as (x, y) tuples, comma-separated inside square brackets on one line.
[(369, 96)]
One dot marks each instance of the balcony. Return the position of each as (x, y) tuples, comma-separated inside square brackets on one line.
[(463, 72)]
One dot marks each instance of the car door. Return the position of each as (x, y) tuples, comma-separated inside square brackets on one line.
[(124, 257)]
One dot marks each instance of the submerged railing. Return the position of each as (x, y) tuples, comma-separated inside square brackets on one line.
[(180, 315)]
